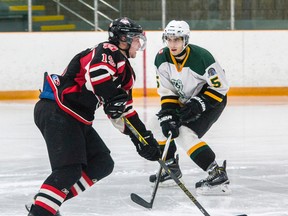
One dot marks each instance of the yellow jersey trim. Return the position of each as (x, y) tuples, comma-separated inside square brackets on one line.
[(179, 67), (213, 96)]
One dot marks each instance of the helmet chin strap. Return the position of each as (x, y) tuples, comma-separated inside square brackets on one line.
[(181, 53), (126, 50)]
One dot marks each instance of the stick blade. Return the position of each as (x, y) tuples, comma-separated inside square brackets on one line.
[(140, 201)]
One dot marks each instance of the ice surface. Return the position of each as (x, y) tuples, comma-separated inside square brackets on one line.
[(251, 135)]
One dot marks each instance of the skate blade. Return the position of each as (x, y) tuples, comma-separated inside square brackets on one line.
[(28, 206), (219, 190)]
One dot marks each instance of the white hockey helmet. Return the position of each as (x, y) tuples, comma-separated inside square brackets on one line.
[(177, 29)]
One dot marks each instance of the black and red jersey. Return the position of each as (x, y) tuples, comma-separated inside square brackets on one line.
[(91, 78)]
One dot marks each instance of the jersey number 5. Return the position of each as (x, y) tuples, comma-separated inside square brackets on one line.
[(215, 82)]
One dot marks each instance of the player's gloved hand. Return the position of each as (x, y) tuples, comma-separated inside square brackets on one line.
[(151, 151), (192, 110), (115, 106), (169, 121)]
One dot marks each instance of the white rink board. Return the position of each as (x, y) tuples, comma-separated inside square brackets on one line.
[(250, 58)]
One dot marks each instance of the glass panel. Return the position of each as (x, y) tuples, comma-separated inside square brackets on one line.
[(13, 16), (67, 15), (202, 15), (261, 14)]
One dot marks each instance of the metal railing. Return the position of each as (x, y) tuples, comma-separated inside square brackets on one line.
[(94, 8)]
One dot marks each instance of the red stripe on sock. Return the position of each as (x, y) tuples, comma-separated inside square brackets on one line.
[(53, 189), (73, 190), (87, 179), (45, 206)]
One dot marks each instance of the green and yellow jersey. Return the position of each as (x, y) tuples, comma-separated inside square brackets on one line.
[(198, 73)]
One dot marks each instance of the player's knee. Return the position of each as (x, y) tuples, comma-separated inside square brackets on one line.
[(100, 166), (108, 166), (65, 177)]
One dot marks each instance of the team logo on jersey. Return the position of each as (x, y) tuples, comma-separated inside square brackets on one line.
[(55, 79), (178, 85), (211, 72)]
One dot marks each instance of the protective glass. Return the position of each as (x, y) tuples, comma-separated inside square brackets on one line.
[(140, 36), (175, 39)]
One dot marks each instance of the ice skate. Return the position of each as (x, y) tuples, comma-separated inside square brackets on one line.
[(165, 178), (217, 182)]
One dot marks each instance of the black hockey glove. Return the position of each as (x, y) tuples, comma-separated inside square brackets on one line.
[(169, 121), (151, 151), (192, 110), (115, 106)]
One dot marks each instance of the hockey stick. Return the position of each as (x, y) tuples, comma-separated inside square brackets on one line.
[(164, 166), (139, 200)]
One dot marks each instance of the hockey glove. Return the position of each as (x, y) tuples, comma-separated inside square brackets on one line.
[(150, 151), (192, 110), (169, 122), (115, 106)]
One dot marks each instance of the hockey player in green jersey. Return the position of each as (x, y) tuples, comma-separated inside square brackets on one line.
[(193, 91)]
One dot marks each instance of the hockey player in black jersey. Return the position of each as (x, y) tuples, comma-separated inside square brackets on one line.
[(193, 90), (97, 77)]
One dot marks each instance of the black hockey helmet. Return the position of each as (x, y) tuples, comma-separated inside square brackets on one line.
[(124, 29)]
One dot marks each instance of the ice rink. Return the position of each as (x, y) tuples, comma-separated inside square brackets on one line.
[(251, 134)]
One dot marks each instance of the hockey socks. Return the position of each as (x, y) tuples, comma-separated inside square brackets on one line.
[(48, 201), (80, 186)]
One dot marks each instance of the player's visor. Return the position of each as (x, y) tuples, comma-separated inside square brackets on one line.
[(142, 39)]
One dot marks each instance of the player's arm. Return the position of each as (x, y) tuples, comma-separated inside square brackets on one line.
[(211, 95), (149, 152), (217, 86), (105, 70), (167, 116)]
